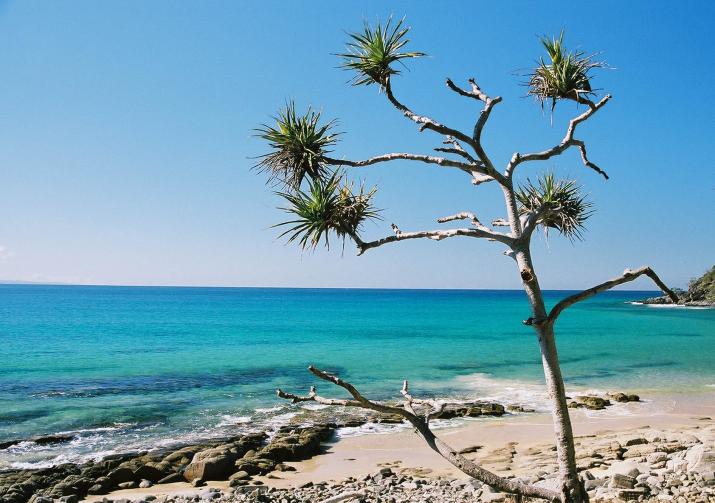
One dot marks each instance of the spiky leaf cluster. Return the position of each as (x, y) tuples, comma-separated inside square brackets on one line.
[(372, 53), (559, 203), (564, 75), (298, 144), (328, 205)]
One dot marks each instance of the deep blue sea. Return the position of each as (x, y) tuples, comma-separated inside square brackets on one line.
[(130, 368)]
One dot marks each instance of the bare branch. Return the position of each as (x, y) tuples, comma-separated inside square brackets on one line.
[(478, 179), (568, 141), (424, 121), (627, 276), (458, 150), (500, 222), (467, 466), (477, 94), (314, 397), (436, 235), (465, 215), (440, 161), (584, 157)]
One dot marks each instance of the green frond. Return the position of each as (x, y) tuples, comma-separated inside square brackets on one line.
[(372, 53), (328, 206), (298, 144), (560, 202), (564, 75)]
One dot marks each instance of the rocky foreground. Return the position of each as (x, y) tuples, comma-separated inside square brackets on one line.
[(645, 465), (642, 465)]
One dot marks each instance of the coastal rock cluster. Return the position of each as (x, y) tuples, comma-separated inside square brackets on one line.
[(236, 459), (645, 465)]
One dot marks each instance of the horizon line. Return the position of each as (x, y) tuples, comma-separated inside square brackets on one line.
[(256, 287)]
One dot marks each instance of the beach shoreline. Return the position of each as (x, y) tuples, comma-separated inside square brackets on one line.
[(406, 454)]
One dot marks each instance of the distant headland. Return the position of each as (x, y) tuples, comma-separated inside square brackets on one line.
[(700, 292)]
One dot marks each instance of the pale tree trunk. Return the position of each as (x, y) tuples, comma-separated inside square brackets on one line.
[(570, 486)]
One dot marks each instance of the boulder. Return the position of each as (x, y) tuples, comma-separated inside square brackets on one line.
[(619, 481), (240, 475), (53, 439), (590, 402), (150, 472), (215, 468), (169, 479), (120, 475), (700, 459), (623, 397)]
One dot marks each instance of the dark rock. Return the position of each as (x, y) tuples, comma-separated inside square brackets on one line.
[(623, 398), (149, 472), (619, 481), (384, 473), (590, 402), (53, 439), (10, 443), (632, 494), (120, 475), (240, 475), (470, 449), (169, 479), (473, 409), (97, 489)]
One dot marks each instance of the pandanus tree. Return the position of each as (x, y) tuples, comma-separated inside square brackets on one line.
[(323, 202)]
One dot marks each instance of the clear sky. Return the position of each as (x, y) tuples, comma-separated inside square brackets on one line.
[(126, 138)]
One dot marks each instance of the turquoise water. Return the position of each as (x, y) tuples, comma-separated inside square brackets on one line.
[(133, 368)]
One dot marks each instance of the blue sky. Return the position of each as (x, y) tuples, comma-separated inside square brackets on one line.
[(126, 138)]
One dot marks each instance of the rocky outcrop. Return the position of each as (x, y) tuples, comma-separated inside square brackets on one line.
[(700, 292), (592, 402)]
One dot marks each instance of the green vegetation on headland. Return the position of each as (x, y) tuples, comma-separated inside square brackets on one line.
[(700, 292)]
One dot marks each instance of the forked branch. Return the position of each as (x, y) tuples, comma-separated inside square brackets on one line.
[(566, 142), (627, 276), (477, 94), (424, 121), (421, 424)]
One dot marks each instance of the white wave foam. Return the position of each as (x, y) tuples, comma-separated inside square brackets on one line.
[(676, 306), (229, 420), (268, 410), (371, 428), (506, 391)]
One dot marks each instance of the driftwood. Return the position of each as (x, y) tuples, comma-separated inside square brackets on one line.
[(421, 425)]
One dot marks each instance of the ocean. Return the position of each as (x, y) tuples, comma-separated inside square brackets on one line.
[(136, 368)]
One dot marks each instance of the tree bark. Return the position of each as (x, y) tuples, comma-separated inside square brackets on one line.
[(570, 485)]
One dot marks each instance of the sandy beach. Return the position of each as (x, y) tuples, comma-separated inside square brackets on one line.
[(516, 445)]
